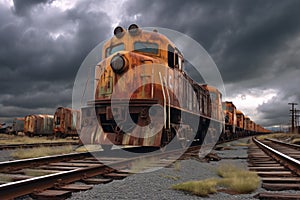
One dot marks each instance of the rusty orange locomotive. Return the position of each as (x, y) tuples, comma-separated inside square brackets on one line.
[(143, 97)]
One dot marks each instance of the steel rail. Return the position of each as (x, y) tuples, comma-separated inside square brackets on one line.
[(19, 164), (287, 161), (295, 146), (19, 188)]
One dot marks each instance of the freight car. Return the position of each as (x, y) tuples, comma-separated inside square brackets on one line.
[(38, 124), (3, 127), (141, 84), (17, 126), (238, 125), (230, 120), (66, 122)]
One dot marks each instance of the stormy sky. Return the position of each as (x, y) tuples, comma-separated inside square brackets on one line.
[(255, 45)]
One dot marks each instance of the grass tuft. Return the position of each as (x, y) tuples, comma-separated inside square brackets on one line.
[(13, 139), (296, 141), (177, 166), (36, 172), (200, 188), (238, 179), (41, 151), (279, 136), (233, 178), (5, 178)]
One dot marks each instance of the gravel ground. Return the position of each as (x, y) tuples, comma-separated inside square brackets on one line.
[(156, 185)]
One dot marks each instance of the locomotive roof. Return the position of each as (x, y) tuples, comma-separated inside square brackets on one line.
[(128, 37)]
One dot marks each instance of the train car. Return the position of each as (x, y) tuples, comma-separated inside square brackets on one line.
[(251, 127), (17, 126), (66, 122), (3, 127), (216, 113), (230, 119), (247, 125), (240, 124), (38, 125), (140, 85)]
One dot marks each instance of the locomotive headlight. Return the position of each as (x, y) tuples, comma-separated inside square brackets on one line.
[(117, 63)]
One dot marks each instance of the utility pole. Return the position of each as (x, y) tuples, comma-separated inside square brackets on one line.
[(297, 120), (293, 111)]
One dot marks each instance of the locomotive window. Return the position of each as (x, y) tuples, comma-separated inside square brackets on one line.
[(146, 47), (113, 49), (171, 56)]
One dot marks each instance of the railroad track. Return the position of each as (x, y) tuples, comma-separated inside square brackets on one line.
[(278, 165), (45, 144), (61, 172)]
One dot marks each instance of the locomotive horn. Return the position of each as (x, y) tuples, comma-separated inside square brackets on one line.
[(133, 29), (119, 31)]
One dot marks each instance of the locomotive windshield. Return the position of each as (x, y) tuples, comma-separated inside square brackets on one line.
[(113, 49), (146, 47)]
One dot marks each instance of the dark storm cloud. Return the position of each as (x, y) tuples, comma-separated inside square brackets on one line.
[(21, 7), (41, 52), (255, 44)]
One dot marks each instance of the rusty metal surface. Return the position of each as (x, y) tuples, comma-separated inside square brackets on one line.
[(277, 196), (57, 180), (20, 164), (284, 159), (152, 72), (294, 146), (240, 119), (52, 194), (38, 124), (66, 122), (275, 177)]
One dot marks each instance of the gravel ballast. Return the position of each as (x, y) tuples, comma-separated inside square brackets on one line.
[(157, 184)]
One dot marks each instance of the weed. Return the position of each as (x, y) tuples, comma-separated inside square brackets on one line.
[(41, 151), (36, 172), (233, 178), (12, 139), (5, 178), (201, 188), (177, 166)]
